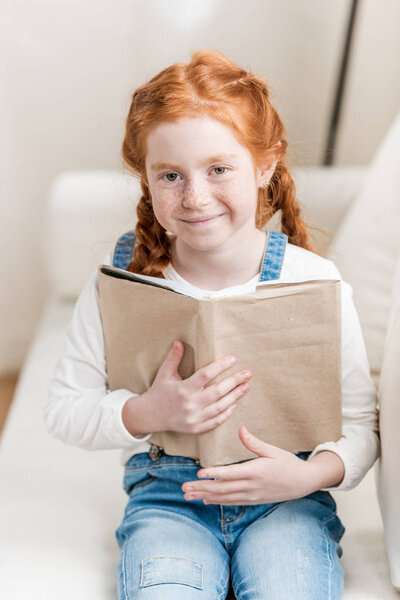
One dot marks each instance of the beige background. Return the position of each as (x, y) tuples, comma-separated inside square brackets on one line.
[(67, 70)]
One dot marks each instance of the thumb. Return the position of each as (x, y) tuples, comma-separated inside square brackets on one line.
[(256, 445), (173, 358)]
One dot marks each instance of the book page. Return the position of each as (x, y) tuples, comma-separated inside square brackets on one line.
[(177, 286)]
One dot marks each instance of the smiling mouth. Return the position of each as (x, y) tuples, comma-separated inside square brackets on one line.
[(202, 219)]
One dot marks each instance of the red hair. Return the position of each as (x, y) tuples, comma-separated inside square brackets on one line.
[(212, 85)]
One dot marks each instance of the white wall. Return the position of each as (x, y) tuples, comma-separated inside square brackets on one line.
[(67, 69), (372, 96)]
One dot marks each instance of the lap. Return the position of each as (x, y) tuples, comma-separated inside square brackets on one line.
[(171, 548)]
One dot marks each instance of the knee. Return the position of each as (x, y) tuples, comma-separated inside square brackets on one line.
[(289, 553), (159, 570), (163, 578)]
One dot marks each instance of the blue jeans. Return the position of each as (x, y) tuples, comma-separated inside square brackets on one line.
[(177, 549)]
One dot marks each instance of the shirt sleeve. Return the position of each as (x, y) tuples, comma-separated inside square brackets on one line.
[(359, 445), (80, 410)]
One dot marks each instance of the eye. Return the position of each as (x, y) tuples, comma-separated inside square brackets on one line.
[(218, 170), (174, 175)]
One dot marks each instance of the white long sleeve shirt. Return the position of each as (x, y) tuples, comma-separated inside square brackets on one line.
[(80, 410)]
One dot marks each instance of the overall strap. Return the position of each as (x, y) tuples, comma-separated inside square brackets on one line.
[(123, 251), (270, 268), (273, 256)]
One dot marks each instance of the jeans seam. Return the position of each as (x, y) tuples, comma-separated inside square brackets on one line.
[(124, 573), (329, 554), (234, 591), (225, 535), (225, 587), (330, 564), (235, 518)]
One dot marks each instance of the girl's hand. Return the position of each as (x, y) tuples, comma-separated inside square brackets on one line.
[(186, 405), (275, 476)]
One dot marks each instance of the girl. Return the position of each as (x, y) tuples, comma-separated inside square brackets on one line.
[(210, 151)]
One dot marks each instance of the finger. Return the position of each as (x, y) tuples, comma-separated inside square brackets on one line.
[(216, 487), (239, 498), (257, 446), (173, 358), (234, 471), (240, 501), (216, 421), (215, 408), (218, 391), (203, 376), (233, 498)]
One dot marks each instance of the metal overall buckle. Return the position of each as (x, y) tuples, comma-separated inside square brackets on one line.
[(155, 452)]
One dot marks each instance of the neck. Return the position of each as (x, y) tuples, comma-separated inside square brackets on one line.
[(233, 264)]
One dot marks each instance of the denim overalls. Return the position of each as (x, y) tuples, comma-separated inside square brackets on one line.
[(178, 549)]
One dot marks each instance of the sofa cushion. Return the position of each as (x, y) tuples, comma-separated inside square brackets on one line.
[(367, 243)]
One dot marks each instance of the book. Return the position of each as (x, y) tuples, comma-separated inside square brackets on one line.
[(287, 334)]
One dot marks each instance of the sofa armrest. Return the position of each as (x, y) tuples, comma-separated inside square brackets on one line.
[(325, 194), (388, 472), (87, 210)]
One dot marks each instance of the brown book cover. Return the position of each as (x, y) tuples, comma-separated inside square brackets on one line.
[(287, 334)]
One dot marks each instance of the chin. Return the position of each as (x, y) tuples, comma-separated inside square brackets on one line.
[(205, 244)]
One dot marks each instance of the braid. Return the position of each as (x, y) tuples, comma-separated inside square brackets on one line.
[(153, 246), (281, 195), (283, 191)]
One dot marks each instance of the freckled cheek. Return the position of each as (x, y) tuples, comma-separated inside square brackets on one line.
[(226, 194), (166, 204), (234, 197)]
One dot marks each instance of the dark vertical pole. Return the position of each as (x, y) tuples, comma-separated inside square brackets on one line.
[(337, 106)]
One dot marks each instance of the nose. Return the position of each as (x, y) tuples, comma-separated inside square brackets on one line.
[(194, 195)]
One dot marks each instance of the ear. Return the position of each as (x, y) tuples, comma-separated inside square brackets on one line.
[(265, 172)]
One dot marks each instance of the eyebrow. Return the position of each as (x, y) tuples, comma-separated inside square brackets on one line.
[(217, 158)]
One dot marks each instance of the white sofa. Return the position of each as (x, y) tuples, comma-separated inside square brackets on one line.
[(60, 505)]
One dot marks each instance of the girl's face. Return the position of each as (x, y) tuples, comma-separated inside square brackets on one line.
[(203, 182)]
